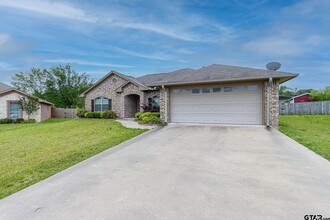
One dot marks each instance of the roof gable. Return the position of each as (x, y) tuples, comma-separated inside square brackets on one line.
[(128, 78)]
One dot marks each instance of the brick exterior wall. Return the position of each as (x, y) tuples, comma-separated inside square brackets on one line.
[(273, 102), (123, 102)]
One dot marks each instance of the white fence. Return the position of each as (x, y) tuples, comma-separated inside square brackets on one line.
[(306, 108), (64, 113)]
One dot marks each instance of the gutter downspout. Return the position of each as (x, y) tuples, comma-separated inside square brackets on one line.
[(165, 107), (268, 102)]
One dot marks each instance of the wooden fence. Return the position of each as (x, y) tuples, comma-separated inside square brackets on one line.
[(64, 113), (305, 108)]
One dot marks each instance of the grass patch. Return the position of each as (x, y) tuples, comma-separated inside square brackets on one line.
[(32, 152), (312, 131)]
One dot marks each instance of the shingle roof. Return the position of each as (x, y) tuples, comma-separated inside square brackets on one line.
[(4, 87), (212, 73)]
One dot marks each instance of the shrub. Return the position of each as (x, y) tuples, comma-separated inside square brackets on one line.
[(89, 115), (109, 114), (149, 117), (81, 112), (152, 119), (31, 120), (96, 114), (19, 120), (7, 121), (138, 114)]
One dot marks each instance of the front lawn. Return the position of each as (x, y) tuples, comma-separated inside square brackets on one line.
[(312, 131), (32, 152)]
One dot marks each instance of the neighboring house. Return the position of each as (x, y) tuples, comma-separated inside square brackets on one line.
[(10, 108), (284, 100), (301, 98), (212, 94)]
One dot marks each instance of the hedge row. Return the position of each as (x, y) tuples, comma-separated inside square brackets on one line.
[(16, 121), (109, 114)]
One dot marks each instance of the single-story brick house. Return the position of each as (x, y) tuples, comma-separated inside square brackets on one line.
[(212, 94), (10, 108)]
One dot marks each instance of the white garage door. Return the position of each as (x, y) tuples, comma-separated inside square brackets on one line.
[(224, 104)]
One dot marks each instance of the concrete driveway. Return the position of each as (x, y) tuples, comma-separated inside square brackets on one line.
[(185, 172)]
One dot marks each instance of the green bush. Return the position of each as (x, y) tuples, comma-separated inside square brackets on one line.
[(6, 121), (109, 114), (89, 115), (149, 117), (96, 114), (30, 121), (19, 120), (81, 112), (138, 114)]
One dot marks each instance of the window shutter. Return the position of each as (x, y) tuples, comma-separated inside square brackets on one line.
[(92, 105), (110, 104)]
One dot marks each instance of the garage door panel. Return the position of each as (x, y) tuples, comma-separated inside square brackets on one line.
[(243, 107), (220, 108)]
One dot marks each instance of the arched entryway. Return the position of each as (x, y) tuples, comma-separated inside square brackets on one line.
[(132, 105)]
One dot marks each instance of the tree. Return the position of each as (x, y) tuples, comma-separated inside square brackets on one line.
[(29, 105), (60, 85), (287, 91), (321, 95)]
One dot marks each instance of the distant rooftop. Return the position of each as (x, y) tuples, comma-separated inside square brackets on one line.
[(4, 87)]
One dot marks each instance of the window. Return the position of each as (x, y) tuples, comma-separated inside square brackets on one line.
[(228, 89), (14, 110), (252, 87), (206, 90), (154, 103), (102, 104), (195, 91), (216, 90), (176, 91), (239, 88), (185, 91)]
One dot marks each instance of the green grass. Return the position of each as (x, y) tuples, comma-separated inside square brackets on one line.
[(312, 131), (32, 152)]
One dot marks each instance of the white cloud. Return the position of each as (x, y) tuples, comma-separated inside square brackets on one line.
[(49, 8), (156, 56), (4, 39), (283, 45), (7, 67), (123, 18), (82, 62)]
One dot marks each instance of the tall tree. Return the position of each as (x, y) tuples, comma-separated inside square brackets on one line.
[(60, 85)]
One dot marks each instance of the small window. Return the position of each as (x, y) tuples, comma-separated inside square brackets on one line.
[(252, 88), (14, 110), (216, 90), (228, 89), (185, 91), (176, 91), (195, 91), (206, 90), (239, 88)]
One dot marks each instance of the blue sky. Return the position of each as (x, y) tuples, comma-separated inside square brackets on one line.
[(142, 37)]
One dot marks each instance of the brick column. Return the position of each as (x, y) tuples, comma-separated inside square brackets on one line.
[(164, 104), (273, 89)]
